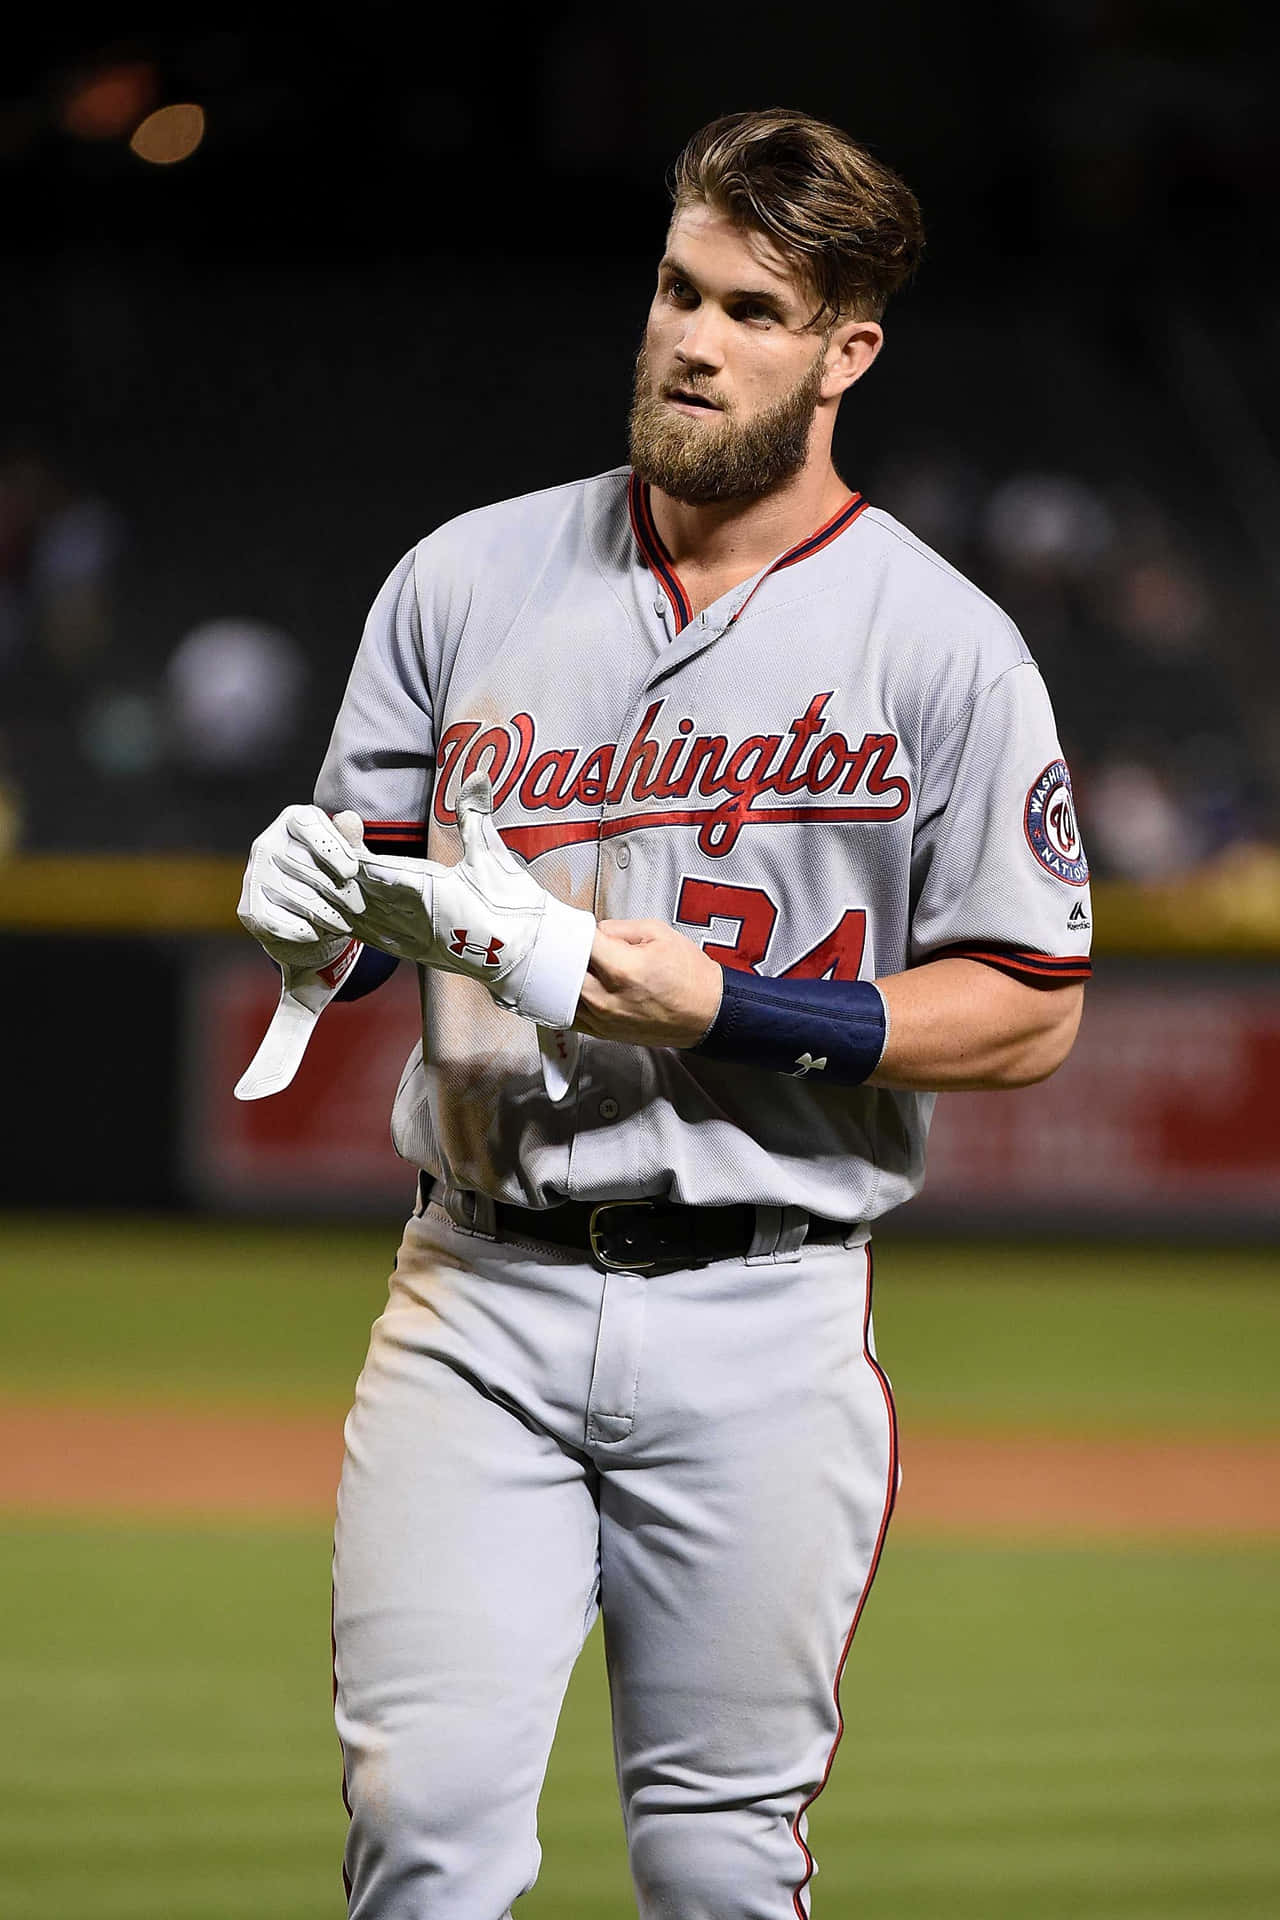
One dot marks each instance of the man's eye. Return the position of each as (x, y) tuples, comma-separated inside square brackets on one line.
[(756, 310), (680, 290)]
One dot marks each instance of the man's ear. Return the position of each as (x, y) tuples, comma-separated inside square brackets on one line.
[(852, 347)]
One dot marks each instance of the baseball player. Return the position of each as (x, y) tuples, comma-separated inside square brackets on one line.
[(726, 824)]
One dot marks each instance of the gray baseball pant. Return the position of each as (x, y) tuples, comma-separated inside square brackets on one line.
[(709, 1456)]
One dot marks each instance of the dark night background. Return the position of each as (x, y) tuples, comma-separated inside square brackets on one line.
[(402, 274), (405, 272)]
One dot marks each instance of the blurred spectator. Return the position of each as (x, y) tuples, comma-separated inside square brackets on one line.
[(10, 811), (59, 548), (1046, 526), (234, 690), (1136, 828), (1161, 607), (1152, 635), (936, 492), (27, 491), (71, 578), (279, 416), (1150, 678), (58, 551), (119, 733)]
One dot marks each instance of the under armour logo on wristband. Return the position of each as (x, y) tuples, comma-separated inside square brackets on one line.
[(807, 1063), (460, 944)]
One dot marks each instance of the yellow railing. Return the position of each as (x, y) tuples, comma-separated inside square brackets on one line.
[(1230, 907), (119, 893)]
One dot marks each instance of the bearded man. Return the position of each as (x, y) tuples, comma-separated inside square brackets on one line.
[(726, 824)]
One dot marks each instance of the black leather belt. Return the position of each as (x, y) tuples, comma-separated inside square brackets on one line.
[(636, 1236), (644, 1236)]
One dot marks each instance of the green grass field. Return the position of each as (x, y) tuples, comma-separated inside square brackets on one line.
[(1041, 1734), (1029, 1734), (1064, 1338)]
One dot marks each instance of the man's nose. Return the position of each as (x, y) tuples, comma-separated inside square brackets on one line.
[(700, 346)]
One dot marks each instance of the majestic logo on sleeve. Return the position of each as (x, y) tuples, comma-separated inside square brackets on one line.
[(727, 784), (1050, 823)]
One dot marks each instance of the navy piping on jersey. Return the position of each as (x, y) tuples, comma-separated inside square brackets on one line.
[(826, 533), (650, 543), (1020, 963), (396, 836)]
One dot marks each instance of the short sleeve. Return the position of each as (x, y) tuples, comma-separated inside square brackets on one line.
[(381, 756), (999, 873)]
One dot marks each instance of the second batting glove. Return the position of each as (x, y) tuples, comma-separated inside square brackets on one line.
[(487, 917)]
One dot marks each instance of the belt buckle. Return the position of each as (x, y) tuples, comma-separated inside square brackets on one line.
[(594, 1232)]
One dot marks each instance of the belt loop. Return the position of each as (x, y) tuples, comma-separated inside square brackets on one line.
[(765, 1238), (472, 1212), (793, 1234), (484, 1220), (779, 1235)]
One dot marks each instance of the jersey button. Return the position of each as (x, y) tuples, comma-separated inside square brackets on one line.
[(623, 856), (660, 607), (609, 1108)]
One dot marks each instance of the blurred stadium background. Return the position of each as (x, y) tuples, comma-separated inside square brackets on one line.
[(278, 301)]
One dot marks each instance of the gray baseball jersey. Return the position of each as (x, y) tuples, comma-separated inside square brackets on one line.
[(846, 766)]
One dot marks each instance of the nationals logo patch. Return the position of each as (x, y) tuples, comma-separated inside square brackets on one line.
[(1051, 829)]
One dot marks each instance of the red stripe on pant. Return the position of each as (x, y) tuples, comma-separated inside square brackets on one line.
[(333, 1648), (891, 1493)]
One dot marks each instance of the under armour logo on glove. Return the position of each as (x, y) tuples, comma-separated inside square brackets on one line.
[(807, 1063), (487, 918), (461, 943)]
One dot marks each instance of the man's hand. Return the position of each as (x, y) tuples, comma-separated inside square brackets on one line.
[(299, 895), (300, 888), (487, 917), (649, 985)]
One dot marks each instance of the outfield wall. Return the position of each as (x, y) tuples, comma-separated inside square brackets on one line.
[(123, 1050)]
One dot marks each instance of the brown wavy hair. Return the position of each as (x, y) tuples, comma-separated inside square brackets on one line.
[(847, 225)]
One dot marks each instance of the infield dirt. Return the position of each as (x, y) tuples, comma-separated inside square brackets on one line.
[(79, 1459)]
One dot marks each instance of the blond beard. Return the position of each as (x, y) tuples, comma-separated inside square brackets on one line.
[(727, 459)]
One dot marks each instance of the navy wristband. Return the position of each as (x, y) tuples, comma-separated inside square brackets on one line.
[(368, 974), (836, 1028)]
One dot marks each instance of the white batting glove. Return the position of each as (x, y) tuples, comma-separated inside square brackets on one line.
[(300, 890), (488, 918)]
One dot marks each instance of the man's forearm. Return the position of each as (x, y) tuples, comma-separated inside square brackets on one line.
[(952, 1023), (957, 1024)]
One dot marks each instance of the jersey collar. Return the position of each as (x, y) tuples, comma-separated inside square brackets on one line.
[(650, 543)]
